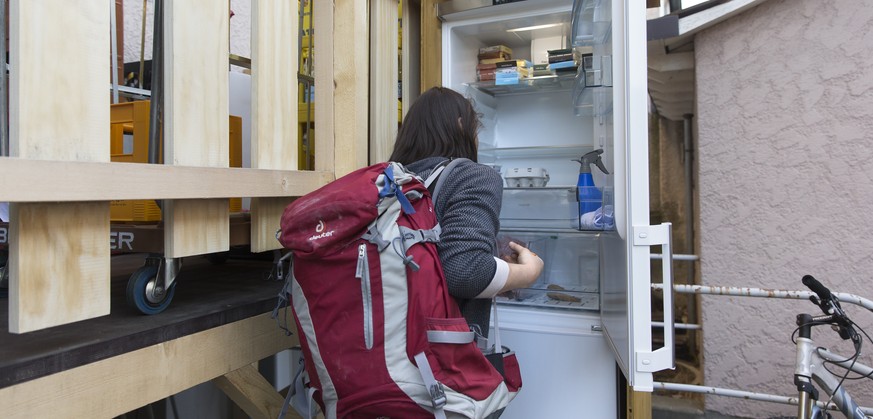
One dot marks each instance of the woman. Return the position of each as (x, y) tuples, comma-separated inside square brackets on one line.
[(442, 125)]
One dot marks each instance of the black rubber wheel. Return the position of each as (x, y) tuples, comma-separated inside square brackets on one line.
[(218, 258), (145, 291)]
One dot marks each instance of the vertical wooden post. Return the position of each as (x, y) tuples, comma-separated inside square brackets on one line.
[(59, 110), (383, 78), (196, 46), (431, 46), (322, 18), (351, 75), (274, 108), (639, 404)]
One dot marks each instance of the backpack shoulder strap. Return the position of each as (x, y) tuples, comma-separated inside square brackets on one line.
[(439, 175)]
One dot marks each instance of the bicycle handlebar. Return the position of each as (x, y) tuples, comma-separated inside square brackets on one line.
[(822, 291), (830, 305)]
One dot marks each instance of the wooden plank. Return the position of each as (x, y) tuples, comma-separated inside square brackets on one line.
[(266, 215), (322, 15), (116, 385), (59, 260), (59, 264), (383, 78), (411, 53), (196, 47), (274, 108), (196, 226), (639, 404), (431, 45), (251, 392), (55, 181), (351, 54), (274, 85)]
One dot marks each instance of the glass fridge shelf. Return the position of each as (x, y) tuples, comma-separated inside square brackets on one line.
[(582, 298), (529, 85), (570, 150)]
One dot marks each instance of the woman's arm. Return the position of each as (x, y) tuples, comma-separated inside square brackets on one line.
[(468, 210)]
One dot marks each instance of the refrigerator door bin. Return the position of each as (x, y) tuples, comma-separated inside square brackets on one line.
[(571, 270), (591, 22)]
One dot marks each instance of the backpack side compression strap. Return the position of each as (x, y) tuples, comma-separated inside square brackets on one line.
[(437, 395)]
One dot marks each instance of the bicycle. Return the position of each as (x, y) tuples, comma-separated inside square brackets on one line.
[(811, 361)]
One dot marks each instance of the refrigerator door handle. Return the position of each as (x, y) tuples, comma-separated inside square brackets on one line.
[(661, 358)]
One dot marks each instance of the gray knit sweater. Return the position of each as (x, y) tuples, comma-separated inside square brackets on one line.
[(467, 207)]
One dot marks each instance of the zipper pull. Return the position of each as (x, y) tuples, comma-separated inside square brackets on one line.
[(362, 255)]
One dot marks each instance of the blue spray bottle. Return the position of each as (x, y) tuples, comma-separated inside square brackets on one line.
[(587, 194)]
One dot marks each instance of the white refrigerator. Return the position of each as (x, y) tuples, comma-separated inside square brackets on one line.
[(589, 316)]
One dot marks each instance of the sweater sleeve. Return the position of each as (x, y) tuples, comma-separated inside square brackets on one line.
[(468, 210)]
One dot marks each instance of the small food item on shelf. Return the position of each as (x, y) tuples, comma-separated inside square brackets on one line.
[(495, 48), (485, 72), (540, 70), (509, 72), (560, 55), (560, 296), (563, 67)]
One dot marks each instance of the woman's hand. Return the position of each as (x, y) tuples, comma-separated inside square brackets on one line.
[(524, 273)]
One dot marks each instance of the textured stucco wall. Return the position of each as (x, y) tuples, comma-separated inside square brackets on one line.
[(240, 28), (785, 125)]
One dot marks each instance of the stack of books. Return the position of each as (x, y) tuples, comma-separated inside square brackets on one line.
[(488, 59)]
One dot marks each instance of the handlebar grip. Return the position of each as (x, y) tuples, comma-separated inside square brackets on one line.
[(823, 292)]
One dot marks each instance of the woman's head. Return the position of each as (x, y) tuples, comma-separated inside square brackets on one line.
[(441, 122)]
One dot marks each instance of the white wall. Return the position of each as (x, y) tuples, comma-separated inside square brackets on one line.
[(785, 134)]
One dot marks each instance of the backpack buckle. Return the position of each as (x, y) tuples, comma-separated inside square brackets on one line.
[(437, 396)]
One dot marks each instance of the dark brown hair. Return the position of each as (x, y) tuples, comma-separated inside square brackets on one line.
[(431, 128)]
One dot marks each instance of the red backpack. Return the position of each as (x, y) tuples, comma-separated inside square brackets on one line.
[(380, 334)]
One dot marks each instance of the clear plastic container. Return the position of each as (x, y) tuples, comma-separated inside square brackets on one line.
[(571, 271), (551, 208)]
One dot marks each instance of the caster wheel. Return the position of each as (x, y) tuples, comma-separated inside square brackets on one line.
[(145, 291), (218, 258)]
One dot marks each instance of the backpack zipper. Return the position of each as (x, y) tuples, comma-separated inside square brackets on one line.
[(362, 272)]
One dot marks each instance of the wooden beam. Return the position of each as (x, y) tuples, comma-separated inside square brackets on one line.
[(196, 47), (266, 216), (117, 385), (431, 45), (195, 226), (411, 58), (252, 393), (59, 264), (324, 148), (383, 78), (274, 108), (56, 181), (639, 404), (351, 57), (58, 112)]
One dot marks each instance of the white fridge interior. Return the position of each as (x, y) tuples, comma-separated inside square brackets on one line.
[(533, 127), (590, 309)]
